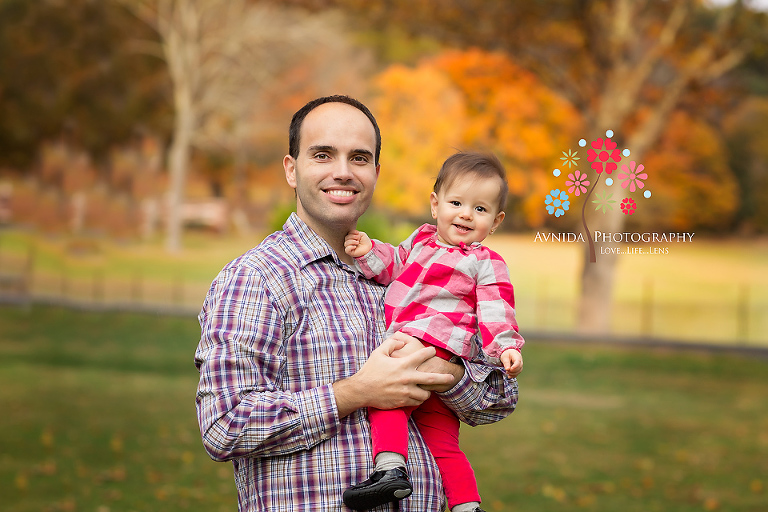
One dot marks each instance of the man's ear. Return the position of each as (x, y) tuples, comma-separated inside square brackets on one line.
[(433, 204), (289, 164)]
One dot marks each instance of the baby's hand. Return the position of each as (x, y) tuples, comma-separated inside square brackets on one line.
[(512, 361), (357, 244)]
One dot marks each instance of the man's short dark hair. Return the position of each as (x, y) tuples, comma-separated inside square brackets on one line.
[(294, 132)]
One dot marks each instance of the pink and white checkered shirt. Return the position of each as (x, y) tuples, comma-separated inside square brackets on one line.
[(444, 295)]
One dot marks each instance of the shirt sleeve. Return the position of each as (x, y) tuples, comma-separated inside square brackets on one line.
[(496, 307), (241, 407), (384, 262), (483, 395)]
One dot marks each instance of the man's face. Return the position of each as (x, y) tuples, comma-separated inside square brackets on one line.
[(334, 174)]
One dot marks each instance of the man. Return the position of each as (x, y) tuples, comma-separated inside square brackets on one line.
[(290, 354)]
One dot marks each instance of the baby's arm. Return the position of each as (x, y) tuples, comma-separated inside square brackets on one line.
[(512, 361), (357, 244)]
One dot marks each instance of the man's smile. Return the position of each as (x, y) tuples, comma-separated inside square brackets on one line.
[(341, 193)]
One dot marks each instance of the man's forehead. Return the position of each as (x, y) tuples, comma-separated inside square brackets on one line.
[(334, 123)]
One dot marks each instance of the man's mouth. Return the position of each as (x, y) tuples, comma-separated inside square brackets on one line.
[(340, 193)]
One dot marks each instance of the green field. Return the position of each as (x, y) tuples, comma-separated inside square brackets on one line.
[(98, 415), (709, 290)]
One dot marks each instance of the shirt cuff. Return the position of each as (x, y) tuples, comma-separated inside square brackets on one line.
[(318, 413), (473, 373), (476, 390)]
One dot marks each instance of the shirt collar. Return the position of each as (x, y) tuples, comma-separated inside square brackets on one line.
[(431, 229), (310, 246)]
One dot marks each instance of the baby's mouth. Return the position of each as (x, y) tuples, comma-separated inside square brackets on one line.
[(462, 229)]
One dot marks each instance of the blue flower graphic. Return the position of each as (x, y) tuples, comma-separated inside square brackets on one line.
[(557, 202)]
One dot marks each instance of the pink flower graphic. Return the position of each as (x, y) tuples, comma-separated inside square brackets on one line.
[(632, 177), (577, 182), (599, 158), (628, 206)]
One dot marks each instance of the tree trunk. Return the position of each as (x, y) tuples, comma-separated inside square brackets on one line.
[(597, 277), (240, 213), (178, 163)]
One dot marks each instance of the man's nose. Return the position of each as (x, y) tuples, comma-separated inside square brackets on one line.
[(342, 170)]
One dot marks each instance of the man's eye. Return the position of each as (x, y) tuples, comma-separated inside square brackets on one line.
[(321, 156), (360, 159)]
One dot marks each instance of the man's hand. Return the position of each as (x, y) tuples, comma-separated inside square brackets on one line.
[(357, 244), (432, 365), (440, 365), (389, 382)]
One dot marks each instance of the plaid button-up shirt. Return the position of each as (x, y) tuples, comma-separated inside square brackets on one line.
[(279, 325)]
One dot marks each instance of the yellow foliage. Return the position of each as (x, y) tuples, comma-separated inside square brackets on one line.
[(692, 183), (421, 116), (469, 100)]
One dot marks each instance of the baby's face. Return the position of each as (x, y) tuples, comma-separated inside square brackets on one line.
[(467, 211)]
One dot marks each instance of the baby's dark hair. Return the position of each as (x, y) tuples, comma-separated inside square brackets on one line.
[(482, 165)]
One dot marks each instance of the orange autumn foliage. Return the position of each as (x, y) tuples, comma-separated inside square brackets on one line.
[(688, 173), (470, 100), (421, 116)]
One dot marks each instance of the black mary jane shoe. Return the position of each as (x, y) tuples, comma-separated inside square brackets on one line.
[(382, 487)]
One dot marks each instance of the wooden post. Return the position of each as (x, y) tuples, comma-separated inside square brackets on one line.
[(742, 313), (64, 281), (646, 308), (136, 288), (541, 309), (98, 286), (178, 290)]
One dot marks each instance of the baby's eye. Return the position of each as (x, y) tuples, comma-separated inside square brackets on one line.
[(455, 203), (480, 209)]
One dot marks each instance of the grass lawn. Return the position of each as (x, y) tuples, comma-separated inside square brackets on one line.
[(98, 415), (708, 290)]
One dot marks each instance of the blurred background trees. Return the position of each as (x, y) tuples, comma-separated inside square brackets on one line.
[(158, 104)]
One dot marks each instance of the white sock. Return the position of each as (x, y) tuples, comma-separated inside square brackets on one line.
[(466, 507), (389, 460)]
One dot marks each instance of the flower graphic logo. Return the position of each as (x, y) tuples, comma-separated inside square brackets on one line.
[(577, 182), (557, 202), (606, 150), (604, 156), (632, 177), (570, 158), (628, 206), (604, 202)]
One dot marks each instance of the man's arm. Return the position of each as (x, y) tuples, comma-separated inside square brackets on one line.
[(243, 410)]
